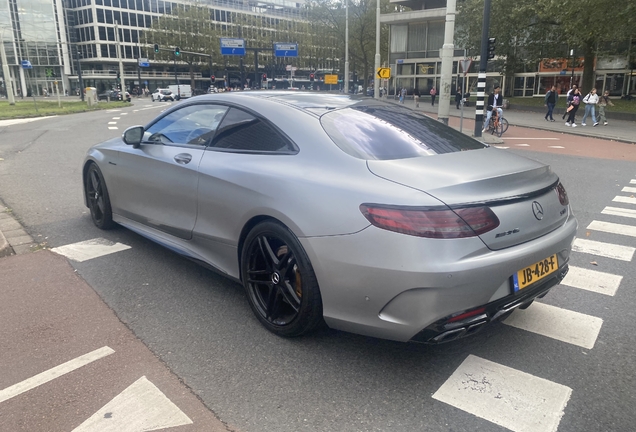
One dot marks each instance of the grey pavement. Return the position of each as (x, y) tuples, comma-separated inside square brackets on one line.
[(616, 130)]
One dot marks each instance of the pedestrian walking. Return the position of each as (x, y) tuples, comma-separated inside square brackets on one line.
[(433, 93), (590, 101), (551, 98), (574, 86), (574, 100), (495, 102), (458, 97), (416, 97), (603, 101), (402, 95)]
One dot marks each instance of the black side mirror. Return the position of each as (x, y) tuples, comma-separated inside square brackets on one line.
[(133, 136)]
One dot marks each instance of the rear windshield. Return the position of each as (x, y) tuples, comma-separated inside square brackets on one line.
[(386, 132)]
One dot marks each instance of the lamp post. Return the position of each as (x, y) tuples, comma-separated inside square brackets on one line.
[(572, 77), (79, 75), (346, 71)]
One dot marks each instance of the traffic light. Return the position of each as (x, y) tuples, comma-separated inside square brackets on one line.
[(264, 77), (212, 78), (118, 77), (491, 48), (156, 48), (311, 77), (177, 51)]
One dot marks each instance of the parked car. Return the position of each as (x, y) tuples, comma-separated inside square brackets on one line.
[(161, 95), (112, 95), (338, 209)]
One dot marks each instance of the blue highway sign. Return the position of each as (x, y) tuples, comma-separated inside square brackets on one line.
[(230, 46), (285, 50), (26, 64)]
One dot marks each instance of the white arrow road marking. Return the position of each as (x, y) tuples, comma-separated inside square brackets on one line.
[(89, 249), (53, 373), (510, 398), (608, 250), (557, 323), (592, 280), (141, 407)]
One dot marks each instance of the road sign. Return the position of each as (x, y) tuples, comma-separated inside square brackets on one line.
[(289, 68), (26, 64), (285, 50), (465, 64), (230, 46), (331, 79), (143, 62), (384, 73)]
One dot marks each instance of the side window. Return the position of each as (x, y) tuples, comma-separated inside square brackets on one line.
[(242, 131), (193, 124)]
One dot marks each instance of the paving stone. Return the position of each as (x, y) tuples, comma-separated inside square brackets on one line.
[(16, 241), (9, 224), (15, 233), (24, 248)]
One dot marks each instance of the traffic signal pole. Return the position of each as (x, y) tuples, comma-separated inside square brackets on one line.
[(481, 77)]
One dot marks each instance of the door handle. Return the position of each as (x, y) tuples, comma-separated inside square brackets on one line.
[(183, 158)]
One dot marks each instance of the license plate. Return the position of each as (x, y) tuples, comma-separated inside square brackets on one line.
[(535, 272)]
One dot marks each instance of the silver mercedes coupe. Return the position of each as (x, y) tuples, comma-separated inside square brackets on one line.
[(339, 210)]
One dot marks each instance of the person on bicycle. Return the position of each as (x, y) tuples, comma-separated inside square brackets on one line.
[(494, 101)]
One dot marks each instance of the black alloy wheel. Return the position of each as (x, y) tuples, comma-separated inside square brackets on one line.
[(97, 198), (280, 283)]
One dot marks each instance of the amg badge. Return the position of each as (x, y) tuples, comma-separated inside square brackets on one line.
[(514, 231)]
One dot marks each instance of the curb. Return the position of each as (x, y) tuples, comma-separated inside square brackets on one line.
[(14, 240)]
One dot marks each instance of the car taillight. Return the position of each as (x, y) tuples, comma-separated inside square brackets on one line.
[(563, 195), (443, 224)]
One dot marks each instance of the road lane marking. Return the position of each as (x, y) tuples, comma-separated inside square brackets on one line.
[(112, 122), (557, 323), (542, 139), (89, 249), (123, 113), (629, 189), (617, 211), (116, 118), (56, 372), (141, 407), (112, 127), (633, 181), (608, 250), (624, 199), (556, 147), (507, 397), (592, 280), (613, 228), (522, 145), (4, 123), (501, 147)]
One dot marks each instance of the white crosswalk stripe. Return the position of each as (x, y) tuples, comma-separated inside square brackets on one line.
[(624, 199), (632, 181), (613, 228), (557, 323), (607, 250), (592, 280), (617, 211), (629, 189), (507, 397)]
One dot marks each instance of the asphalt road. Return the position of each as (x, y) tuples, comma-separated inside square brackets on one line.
[(201, 326)]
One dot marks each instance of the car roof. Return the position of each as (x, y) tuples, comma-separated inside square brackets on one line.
[(316, 103)]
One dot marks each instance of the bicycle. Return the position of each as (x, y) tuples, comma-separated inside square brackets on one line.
[(497, 125)]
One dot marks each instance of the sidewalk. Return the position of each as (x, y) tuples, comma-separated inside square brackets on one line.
[(616, 130)]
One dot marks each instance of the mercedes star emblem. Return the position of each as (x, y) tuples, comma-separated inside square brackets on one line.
[(537, 210)]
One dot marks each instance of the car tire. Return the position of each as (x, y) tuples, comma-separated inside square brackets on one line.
[(279, 280), (97, 197)]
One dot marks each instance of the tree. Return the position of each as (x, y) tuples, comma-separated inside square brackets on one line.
[(191, 29), (530, 30)]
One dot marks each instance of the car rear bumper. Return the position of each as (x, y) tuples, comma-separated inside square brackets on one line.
[(394, 286)]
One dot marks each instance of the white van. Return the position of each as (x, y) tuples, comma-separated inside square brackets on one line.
[(181, 91)]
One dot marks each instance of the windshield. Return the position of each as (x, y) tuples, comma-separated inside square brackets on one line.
[(386, 132)]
